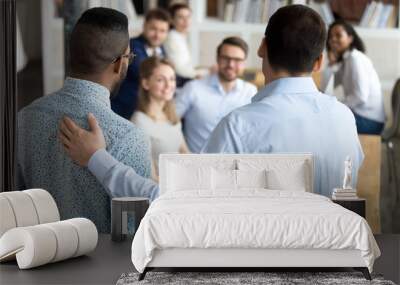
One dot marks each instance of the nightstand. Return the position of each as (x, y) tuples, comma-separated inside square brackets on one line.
[(355, 205)]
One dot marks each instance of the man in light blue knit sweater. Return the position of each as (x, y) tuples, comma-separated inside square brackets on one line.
[(99, 56)]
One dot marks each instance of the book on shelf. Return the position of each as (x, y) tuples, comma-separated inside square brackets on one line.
[(345, 198), (259, 11), (248, 11), (373, 21), (379, 15), (384, 17), (344, 194), (367, 14), (393, 18), (324, 10)]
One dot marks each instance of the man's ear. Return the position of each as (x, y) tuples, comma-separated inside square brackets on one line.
[(117, 66), (318, 63), (262, 49)]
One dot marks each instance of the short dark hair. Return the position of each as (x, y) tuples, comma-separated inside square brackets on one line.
[(295, 37), (157, 14), (357, 43), (99, 37), (176, 7), (234, 41)]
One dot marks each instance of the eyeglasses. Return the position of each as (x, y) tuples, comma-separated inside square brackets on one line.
[(227, 59), (130, 57)]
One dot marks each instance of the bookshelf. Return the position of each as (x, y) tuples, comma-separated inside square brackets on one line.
[(383, 44)]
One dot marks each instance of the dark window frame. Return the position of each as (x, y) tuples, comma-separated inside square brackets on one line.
[(8, 95)]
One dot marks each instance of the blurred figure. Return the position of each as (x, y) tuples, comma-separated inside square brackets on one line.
[(156, 110), (149, 43), (204, 102), (99, 58), (354, 71), (177, 46), (289, 114)]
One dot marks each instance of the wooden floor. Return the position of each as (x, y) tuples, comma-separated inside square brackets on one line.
[(110, 259), (389, 262)]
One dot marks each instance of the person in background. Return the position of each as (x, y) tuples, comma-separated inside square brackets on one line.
[(156, 113), (149, 43), (176, 45), (289, 114), (355, 72), (202, 103), (99, 58)]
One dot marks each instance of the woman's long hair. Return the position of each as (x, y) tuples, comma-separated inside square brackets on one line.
[(146, 70), (357, 43)]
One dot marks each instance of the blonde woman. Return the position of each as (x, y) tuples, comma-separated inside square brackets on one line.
[(156, 110)]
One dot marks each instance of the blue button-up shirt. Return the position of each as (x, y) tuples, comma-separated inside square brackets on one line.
[(291, 115), (42, 162), (203, 103)]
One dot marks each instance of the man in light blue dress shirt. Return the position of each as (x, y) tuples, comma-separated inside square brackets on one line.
[(288, 115), (100, 53), (204, 102)]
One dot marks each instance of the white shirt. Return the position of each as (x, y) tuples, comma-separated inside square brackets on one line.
[(177, 50), (361, 85), (164, 136), (150, 51), (204, 102)]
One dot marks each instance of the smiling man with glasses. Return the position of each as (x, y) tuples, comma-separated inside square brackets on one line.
[(99, 58), (204, 102)]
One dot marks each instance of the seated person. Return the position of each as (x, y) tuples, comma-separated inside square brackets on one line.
[(99, 56), (355, 72), (288, 115), (204, 102), (156, 114), (149, 43)]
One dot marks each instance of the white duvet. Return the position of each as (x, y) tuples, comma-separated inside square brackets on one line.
[(250, 219)]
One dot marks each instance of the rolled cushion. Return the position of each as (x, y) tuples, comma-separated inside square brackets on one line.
[(87, 233), (33, 246), (40, 244), (26, 208), (67, 240), (46, 207), (7, 218), (23, 208)]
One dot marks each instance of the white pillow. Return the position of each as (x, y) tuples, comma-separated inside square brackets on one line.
[(281, 174), (251, 179), (293, 179), (224, 179), (227, 179), (188, 177)]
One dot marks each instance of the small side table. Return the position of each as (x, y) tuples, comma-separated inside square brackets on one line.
[(355, 205), (126, 214)]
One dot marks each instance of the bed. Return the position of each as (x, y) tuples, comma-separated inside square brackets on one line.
[(247, 211)]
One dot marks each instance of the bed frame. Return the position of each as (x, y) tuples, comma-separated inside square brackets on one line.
[(242, 260), (250, 259)]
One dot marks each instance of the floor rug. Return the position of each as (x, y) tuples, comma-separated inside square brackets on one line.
[(243, 278)]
